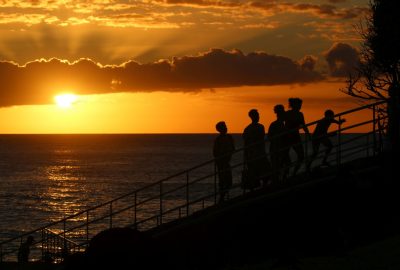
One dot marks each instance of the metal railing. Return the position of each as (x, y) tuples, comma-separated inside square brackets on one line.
[(178, 195), (55, 247)]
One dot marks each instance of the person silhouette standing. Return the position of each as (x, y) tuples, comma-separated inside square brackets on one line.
[(255, 156), (24, 250), (223, 149), (278, 148), (321, 136), (294, 121)]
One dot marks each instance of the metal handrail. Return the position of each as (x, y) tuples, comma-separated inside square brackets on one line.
[(186, 185)]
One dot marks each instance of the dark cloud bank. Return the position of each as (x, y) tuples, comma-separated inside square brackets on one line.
[(343, 59), (38, 81)]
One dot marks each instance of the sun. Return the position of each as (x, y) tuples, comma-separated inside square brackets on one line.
[(65, 100)]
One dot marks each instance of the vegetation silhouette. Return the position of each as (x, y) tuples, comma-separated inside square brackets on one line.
[(377, 77)]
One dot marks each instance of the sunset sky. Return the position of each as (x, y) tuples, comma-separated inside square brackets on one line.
[(171, 66)]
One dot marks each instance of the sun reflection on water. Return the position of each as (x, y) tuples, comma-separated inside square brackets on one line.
[(62, 172), (65, 190)]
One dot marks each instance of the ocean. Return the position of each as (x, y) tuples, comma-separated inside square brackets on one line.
[(44, 178)]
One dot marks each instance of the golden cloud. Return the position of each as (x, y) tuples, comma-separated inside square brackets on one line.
[(38, 81)]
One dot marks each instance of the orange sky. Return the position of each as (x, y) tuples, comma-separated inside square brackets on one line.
[(166, 66), (161, 112)]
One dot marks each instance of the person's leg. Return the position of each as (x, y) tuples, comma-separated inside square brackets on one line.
[(227, 180), (275, 163), (221, 190), (299, 150), (290, 164), (265, 171), (328, 145), (315, 149), (285, 165), (254, 174)]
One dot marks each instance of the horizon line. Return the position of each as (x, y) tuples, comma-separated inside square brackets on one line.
[(144, 133)]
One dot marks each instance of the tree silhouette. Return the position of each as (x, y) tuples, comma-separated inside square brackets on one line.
[(377, 77)]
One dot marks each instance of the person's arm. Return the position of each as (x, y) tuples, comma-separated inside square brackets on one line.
[(303, 125), (215, 149), (270, 133), (338, 122), (263, 133), (305, 128), (244, 136)]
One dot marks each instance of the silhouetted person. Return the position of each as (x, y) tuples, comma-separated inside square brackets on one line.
[(223, 150), (294, 120), (254, 153), (24, 250), (321, 136), (277, 134)]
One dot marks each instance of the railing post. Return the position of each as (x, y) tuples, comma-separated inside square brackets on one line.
[(339, 148), (64, 227), (374, 128), (187, 193), (111, 215), (306, 149), (135, 208), (65, 235), (215, 183), (380, 140), (43, 241), (161, 202), (87, 226)]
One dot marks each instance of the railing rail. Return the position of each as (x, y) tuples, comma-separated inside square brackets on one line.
[(73, 232)]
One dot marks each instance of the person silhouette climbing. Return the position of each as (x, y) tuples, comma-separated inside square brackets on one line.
[(255, 156), (223, 149), (278, 149), (321, 136), (294, 121), (24, 250)]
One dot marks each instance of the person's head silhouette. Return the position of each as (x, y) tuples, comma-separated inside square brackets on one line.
[(295, 103), (329, 114), (279, 110), (221, 127), (254, 116)]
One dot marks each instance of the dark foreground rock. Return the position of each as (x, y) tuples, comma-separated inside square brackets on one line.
[(117, 248)]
